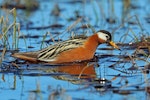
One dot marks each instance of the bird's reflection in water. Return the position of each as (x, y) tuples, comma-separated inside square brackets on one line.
[(75, 72), (82, 70), (69, 72)]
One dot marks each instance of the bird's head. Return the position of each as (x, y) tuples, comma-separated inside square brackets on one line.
[(105, 37)]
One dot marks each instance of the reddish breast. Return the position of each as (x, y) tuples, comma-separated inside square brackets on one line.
[(81, 53)]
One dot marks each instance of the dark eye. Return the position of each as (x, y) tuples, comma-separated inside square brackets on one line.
[(107, 36)]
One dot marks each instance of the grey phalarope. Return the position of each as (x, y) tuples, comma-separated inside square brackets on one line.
[(70, 50)]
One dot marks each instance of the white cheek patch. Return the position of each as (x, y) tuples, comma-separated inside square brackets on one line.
[(102, 36)]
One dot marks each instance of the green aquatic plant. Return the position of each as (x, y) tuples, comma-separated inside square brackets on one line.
[(9, 30), (4, 30), (44, 38), (15, 31)]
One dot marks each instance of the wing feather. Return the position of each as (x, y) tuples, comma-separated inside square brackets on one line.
[(49, 53)]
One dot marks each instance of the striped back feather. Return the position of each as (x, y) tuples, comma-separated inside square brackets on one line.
[(49, 53)]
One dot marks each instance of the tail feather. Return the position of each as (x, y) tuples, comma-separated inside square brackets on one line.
[(29, 56)]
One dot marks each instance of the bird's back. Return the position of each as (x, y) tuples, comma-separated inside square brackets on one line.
[(52, 51)]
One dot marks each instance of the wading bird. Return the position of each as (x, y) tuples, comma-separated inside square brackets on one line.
[(73, 50)]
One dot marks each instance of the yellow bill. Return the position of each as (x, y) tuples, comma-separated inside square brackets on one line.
[(114, 45)]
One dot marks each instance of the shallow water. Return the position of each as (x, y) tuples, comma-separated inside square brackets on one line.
[(112, 75)]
